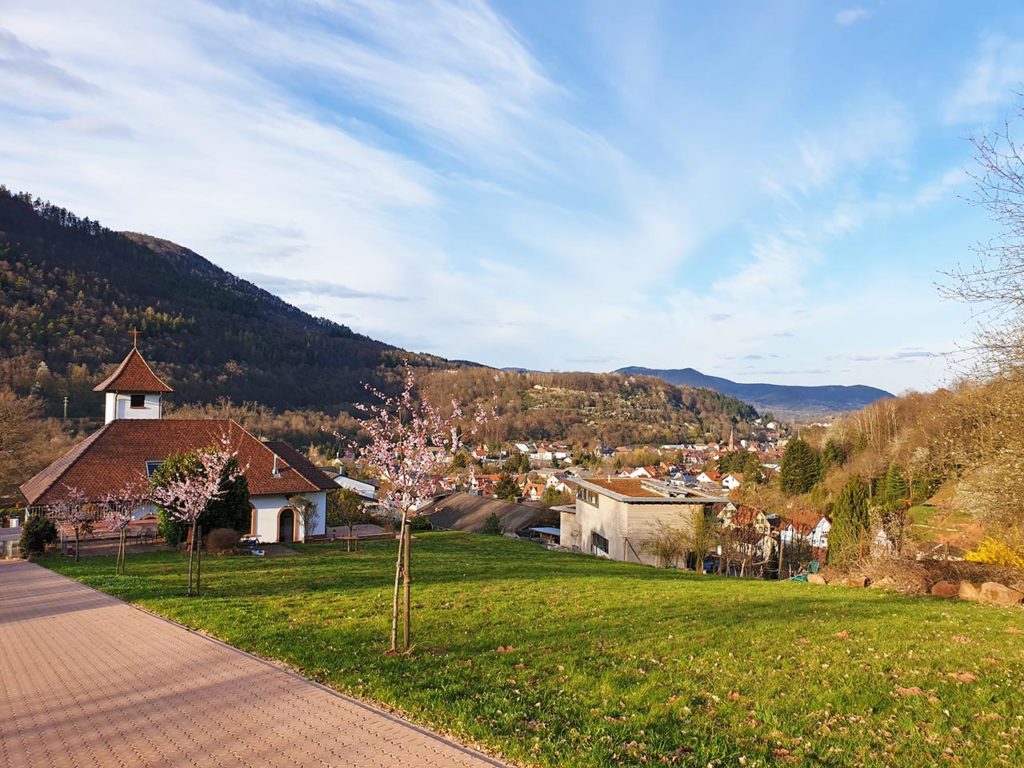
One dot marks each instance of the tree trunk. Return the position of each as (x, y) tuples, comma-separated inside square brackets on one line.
[(191, 554), (199, 562), (407, 578), (76, 545), (398, 579)]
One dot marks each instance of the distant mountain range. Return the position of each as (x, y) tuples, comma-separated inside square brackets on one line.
[(783, 400)]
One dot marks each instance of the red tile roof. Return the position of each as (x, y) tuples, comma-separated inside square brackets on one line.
[(117, 453), (307, 469), (802, 520), (132, 375), (745, 516)]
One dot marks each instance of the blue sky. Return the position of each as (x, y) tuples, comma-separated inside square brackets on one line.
[(765, 193)]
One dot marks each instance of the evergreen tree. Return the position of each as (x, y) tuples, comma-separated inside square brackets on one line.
[(833, 454), (753, 471), (506, 488), (893, 490), (850, 522), (800, 469)]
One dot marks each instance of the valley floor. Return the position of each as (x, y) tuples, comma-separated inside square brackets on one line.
[(553, 659)]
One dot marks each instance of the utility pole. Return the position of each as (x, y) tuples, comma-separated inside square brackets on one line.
[(65, 407)]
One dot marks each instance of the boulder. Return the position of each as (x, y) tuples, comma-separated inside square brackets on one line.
[(855, 581), (946, 589), (816, 578), (994, 593), (886, 582), (968, 591)]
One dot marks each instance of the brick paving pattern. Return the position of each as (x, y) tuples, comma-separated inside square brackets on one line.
[(86, 680)]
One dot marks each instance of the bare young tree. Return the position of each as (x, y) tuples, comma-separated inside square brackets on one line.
[(118, 509), (668, 544), (994, 283), (74, 511)]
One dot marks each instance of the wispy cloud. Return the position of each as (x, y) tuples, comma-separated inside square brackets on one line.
[(850, 16), (290, 286), (990, 80), (522, 195)]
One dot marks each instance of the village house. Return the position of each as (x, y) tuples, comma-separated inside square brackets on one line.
[(750, 530), (803, 528), (732, 481), (534, 491), (709, 478), (136, 439), (646, 472), (617, 517)]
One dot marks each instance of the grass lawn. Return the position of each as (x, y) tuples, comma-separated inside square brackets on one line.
[(561, 660)]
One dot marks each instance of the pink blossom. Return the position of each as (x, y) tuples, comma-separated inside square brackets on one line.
[(186, 497), (411, 444)]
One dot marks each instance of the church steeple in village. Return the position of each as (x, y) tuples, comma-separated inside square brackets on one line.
[(133, 391)]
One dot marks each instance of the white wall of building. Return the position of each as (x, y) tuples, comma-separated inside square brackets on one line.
[(268, 509), (118, 405)]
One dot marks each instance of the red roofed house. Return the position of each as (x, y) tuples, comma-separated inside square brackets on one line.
[(136, 439)]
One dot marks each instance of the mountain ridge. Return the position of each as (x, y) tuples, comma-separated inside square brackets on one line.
[(71, 290), (787, 400)]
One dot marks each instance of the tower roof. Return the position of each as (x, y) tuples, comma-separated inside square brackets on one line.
[(132, 375)]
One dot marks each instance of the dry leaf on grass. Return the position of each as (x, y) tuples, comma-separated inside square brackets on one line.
[(911, 691), (964, 677)]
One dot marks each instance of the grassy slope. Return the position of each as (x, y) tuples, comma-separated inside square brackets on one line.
[(613, 664)]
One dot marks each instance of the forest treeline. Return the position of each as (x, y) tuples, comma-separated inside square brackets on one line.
[(71, 290)]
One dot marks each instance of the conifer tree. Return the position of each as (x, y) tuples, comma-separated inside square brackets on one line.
[(850, 522), (833, 454), (506, 488), (894, 490), (800, 469)]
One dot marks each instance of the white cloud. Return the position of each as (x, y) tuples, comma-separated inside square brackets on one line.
[(849, 16), (990, 80), (346, 153)]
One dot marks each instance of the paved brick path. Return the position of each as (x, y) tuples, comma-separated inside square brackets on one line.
[(86, 680)]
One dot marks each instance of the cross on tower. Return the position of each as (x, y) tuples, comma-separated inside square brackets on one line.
[(135, 338)]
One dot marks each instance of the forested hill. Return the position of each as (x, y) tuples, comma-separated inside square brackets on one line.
[(71, 290), (590, 409)]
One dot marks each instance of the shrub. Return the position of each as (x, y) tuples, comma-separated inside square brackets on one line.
[(492, 525), (420, 523), (38, 531), (996, 553), (222, 541)]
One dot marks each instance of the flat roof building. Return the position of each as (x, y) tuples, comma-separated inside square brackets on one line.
[(618, 517)]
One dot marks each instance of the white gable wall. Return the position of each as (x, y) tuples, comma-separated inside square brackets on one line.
[(268, 510), (118, 405)]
